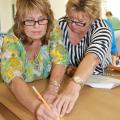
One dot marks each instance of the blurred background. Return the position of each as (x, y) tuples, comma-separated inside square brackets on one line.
[(7, 11)]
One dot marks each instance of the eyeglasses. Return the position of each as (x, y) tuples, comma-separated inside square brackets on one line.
[(78, 23), (43, 21)]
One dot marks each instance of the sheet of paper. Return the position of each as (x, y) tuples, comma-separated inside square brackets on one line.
[(99, 81)]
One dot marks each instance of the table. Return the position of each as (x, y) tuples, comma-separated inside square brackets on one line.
[(92, 104), (6, 114)]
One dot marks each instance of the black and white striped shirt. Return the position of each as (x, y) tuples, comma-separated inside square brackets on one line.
[(97, 40)]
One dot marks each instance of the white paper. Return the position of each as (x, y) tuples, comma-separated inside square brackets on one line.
[(99, 81)]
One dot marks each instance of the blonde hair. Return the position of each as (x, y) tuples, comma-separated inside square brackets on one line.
[(25, 7), (92, 7)]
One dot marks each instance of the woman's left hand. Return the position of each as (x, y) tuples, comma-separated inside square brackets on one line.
[(66, 100)]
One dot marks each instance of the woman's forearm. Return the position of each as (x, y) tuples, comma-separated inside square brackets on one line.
[(87, 66), (24, 94), (57, 72), (56, 78)]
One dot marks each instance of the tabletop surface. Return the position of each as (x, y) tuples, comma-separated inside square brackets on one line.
[(92, 104)]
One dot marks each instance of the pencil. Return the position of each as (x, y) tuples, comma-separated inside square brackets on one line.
[(45, 103), (40, 97)]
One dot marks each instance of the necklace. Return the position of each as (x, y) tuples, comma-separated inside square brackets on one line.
[(32, 51)]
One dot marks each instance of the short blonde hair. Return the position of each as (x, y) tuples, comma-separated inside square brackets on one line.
[(25, 7), (92, 7)]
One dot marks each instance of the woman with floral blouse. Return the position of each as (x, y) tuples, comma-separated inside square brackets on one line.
[(31, 53)]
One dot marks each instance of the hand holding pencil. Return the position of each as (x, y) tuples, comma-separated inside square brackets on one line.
[(49, 113)]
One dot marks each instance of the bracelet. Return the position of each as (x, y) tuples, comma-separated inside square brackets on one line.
[(56, 86), (55, 83), (78, 80)]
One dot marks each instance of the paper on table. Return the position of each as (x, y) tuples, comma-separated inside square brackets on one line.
[(99, 81)]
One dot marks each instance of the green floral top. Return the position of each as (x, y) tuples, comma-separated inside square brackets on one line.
[(14, 60)]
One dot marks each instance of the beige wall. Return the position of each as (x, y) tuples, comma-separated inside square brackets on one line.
[(5, 15), (6, 19), (114, 6), (58, 7)]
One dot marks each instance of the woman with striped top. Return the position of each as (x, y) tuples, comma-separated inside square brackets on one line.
[(88, 41)]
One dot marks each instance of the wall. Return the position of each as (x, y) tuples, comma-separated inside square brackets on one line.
[(5, 15), (58, 7), (113, 6)]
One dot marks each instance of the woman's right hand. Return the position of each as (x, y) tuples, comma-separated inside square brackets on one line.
[(43, 113), (67, 99)]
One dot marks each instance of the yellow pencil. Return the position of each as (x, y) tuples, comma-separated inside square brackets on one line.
[(40, 97), (45, 103)]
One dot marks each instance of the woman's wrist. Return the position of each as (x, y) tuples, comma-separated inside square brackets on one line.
[(54, 86), (78, 80), (35, 105), (75, 85)]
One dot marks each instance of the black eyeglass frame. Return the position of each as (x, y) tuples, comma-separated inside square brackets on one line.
[(38, 21), (78, 23)]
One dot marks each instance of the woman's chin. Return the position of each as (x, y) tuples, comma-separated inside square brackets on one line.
[(36, 37)]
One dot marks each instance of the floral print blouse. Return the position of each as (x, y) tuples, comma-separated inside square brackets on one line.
[(14, 60)]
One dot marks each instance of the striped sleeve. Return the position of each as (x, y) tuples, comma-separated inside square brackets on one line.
[(101, 44)]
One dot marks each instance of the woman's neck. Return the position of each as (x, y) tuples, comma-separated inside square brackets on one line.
[(32, 50), (76, 37)]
